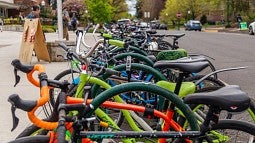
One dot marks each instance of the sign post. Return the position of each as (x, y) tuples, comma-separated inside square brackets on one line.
[(147, 16)]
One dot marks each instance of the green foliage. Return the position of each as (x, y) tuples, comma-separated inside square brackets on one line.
[(100, 10), (190, 9), (46, 12), (49, 28), (119, 9)]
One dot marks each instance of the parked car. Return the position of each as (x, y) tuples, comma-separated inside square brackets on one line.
[(124, 22), (193, 25), (252, 28), (143, 25), (155, 24), (163, 26)]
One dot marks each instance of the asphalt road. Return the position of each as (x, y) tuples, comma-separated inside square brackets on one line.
[(228, 49)]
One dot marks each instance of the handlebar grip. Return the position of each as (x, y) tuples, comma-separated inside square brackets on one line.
[(112, 72), (87, 28), (63, 45), (25, 105), (24, 68)]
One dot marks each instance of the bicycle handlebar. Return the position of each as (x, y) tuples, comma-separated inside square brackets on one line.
[(29, 105), (29, 70), (68, 50), (24, 68), (103, 70)]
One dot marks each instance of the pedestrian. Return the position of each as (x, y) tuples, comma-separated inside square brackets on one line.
[(1, 24), (66, 21), (239, 19), (21, 17), (35, 13), (74, 22)]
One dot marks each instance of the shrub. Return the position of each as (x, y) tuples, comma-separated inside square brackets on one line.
[(49, 28)]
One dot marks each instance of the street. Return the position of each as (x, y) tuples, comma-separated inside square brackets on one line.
[(228, 50)]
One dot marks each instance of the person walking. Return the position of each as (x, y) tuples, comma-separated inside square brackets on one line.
[(74, 22), (35, 13), (66, 21), (1, 24)]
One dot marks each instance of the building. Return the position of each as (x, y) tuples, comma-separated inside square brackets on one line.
[(8, 8)]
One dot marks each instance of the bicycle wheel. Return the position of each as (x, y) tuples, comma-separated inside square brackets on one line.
[(69, 75), (32, 139), (231, 131), (31, 131), (144, 87), (164, 45), (150, 75)]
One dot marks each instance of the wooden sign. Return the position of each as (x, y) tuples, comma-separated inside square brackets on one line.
[(33, 40)]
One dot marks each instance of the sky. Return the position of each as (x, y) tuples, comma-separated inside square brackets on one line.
[(131, 6)]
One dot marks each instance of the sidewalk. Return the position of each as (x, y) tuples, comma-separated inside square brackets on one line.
[(10, 42), (226, 30)]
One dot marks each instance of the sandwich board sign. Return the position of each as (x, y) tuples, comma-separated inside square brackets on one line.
[(33, 40)]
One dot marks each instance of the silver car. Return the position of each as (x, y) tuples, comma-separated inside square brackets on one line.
[(252, 28), (193, 25)]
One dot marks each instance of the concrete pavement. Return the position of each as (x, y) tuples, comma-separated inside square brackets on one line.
[(10, 43)]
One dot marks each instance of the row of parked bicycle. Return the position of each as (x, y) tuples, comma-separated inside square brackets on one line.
[(133, 88)]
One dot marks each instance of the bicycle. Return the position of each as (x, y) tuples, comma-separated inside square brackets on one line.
[(52, 125), (199, 98)]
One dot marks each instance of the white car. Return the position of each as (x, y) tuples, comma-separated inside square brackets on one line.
[(252, 28)]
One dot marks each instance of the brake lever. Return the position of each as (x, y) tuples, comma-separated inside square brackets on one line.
[(15, 119), (17, 77)]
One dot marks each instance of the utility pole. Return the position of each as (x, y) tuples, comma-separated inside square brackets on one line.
[(60, 20), (227, 16)]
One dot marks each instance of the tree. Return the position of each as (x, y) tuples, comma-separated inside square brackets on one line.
[(139, 12), (100, 11), (119, 9), (189, 8)]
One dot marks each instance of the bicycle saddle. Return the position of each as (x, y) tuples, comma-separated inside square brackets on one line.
[(175, 35), (186, 64), (230, 98)]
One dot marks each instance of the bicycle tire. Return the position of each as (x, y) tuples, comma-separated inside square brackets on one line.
[(146, 87), (227, 131), (118, 117), (134, 66), (59, 77), (234, 125), (131, 49), (32, 139), (164, 45), (28, 131)]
